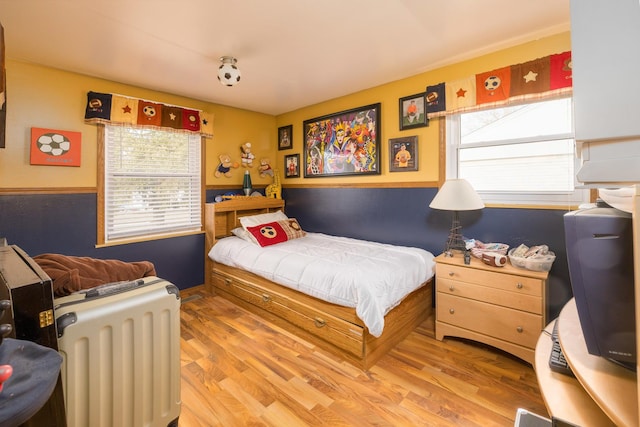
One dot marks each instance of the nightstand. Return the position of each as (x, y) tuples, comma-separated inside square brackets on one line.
[(504, 307)]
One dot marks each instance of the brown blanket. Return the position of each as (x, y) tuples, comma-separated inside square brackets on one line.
[(71, 273)]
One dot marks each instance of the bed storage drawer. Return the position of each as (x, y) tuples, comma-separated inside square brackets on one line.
[(339, 332)]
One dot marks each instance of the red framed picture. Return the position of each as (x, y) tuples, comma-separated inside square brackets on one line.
[(53, 147)]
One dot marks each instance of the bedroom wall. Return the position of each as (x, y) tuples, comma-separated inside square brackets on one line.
[(393, 207), (53, 208)]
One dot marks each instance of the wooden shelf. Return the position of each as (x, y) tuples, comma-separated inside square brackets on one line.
[(613, 388), (563, 395)]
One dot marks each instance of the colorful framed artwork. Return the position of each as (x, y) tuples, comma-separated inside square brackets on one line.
[(292, 166), (412, 112), (52, 147), (285, 137), (344, 143), (403, 154)]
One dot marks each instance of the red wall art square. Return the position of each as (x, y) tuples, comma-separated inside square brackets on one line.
[(52, 147)]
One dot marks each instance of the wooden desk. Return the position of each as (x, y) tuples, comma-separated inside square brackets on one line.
[(602, 393), (563, 395), (612, 387)]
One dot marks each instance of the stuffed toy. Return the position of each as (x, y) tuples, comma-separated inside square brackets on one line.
[(224, 167), (265, 167), (247, 155)]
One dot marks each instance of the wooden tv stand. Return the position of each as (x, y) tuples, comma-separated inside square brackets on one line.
[(602, 392)]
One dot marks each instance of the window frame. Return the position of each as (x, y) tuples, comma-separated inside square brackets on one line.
[(540, 199), (101, 197)]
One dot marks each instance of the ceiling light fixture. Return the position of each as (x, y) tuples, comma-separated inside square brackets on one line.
[(228, 72)]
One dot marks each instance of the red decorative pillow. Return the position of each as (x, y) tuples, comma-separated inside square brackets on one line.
[(271, 233)]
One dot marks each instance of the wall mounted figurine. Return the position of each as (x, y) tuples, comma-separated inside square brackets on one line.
[(225, 166), (265, 167), (247, 155)]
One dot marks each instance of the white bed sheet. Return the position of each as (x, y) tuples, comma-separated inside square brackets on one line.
[(371, 277)]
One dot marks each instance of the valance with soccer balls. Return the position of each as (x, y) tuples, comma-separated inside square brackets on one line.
[(118, 109), (537, 79)]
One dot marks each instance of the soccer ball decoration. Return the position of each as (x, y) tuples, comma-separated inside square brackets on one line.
[(228, 72), (53, 144), (492, 83)]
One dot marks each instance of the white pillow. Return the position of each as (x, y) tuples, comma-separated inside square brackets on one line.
[(244, 235), (253, 220)]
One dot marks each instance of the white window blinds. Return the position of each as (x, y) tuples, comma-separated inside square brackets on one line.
[(152, 182), (521, 154)]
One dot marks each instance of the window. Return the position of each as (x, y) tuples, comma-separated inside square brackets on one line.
[(523, 154), (152, 183)]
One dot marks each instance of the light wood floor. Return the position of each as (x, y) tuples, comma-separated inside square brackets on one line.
[(239, 370)]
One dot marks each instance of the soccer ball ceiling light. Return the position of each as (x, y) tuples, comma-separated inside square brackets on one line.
[(228, 72)]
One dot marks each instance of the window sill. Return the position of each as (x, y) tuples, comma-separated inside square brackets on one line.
[(147, 238)]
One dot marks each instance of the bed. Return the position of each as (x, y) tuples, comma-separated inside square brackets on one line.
[(324, 320)]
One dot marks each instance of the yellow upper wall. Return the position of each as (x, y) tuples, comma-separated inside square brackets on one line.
[(389, 94), (48, 98)]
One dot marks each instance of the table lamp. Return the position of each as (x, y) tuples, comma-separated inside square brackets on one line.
[(456, 195)]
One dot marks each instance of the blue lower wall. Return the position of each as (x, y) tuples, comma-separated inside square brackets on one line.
[(66, 224), (402, 216)]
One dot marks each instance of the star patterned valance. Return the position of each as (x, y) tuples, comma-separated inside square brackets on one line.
[(118, 109), (537, 79)]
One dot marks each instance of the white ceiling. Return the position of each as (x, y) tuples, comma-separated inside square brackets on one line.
[(292, 53)]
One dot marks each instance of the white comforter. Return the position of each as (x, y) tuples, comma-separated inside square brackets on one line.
[(372, 277)]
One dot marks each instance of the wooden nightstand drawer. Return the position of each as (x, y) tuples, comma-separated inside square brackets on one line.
[(517, 299), (511, 325), (495, 279)]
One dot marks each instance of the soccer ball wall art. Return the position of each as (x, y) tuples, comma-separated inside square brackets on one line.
[(55, 147)]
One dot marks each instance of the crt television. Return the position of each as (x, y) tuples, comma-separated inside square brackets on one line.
[(599, 244)]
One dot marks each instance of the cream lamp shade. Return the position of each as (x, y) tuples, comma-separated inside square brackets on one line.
[(456, 195)]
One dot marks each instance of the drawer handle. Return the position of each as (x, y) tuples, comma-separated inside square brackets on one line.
[(451, 288), (227, 282), (266, 298), (519, 285), (451, 311), (451, 273), (520, 329), (319, 322)]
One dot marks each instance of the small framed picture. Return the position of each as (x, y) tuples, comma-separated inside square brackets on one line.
[(292, 166), (412, 112), (285, 137), (403, 154)]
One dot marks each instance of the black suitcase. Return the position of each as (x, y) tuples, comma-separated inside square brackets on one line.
[(30, 291)]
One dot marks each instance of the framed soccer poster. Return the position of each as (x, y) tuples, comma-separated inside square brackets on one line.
[(52, 147)]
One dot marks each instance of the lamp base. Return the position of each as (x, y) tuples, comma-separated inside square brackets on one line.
[(455, 242)]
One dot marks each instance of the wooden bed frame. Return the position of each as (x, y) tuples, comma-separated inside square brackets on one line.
[(334, 328)]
